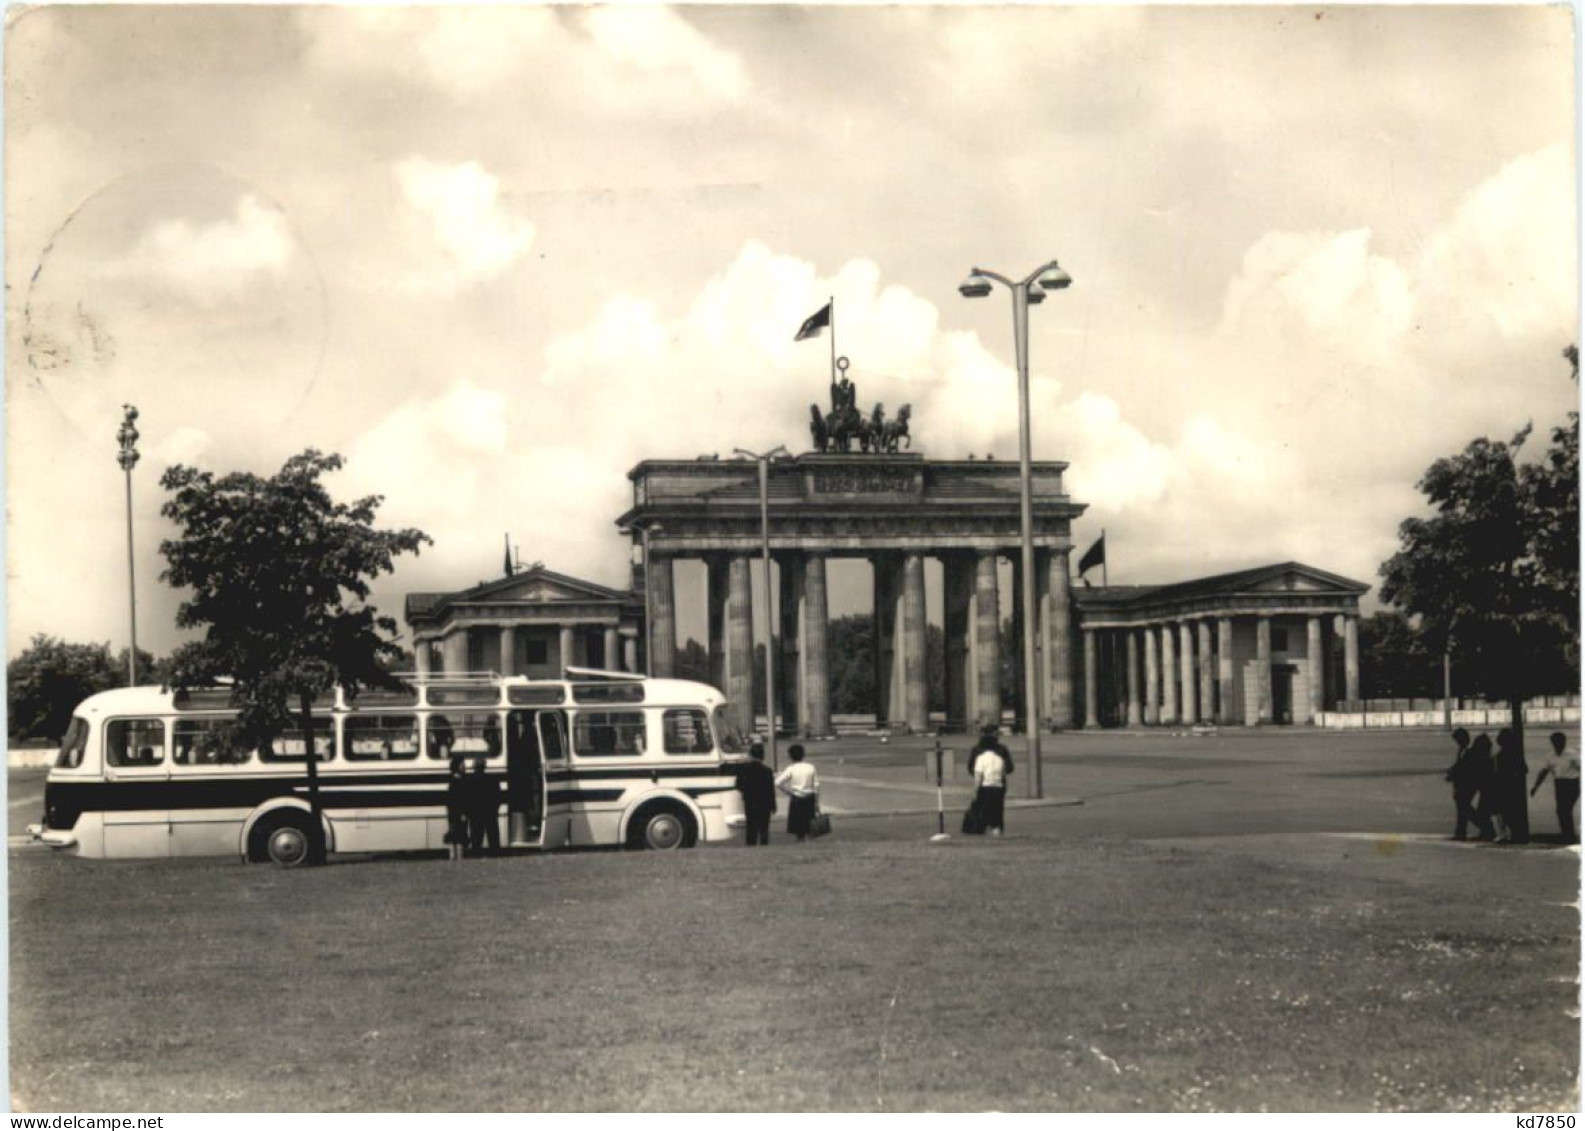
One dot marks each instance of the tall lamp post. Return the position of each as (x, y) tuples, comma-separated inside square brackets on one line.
[(770, 637), (1050, 277), (127, 457)]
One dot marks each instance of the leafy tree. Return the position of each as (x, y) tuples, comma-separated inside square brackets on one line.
[(278, 578), (47, 681), (850, 641), (1491, 570), (693, 662), (1395, 659)]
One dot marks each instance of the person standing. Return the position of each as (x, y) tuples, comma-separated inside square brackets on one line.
[(758, 786), (456, 810), (802, 786), (1467, 775), (1563, 766), (484, 810), (1512, 773), (991, 766)]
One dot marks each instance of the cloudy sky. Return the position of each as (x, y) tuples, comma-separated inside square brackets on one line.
[(497, 256)]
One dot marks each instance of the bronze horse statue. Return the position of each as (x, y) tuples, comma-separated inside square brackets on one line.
[(894, 432)]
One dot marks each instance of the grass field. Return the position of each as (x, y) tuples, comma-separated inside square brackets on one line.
[(864, 972)]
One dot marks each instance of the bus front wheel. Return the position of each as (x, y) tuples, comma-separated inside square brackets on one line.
[(662, 827), (285, 840)]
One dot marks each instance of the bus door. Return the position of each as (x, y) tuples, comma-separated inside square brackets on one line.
[(552, 727), (137, 821), (525, 780)]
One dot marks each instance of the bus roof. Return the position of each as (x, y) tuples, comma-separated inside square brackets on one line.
[(154, 699)]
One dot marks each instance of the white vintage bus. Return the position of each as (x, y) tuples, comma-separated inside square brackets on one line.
[(597, 758)]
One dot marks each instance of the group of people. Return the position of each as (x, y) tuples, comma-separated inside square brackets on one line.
[(1489, 787), (990, 763), (473, 809), (759, 786)]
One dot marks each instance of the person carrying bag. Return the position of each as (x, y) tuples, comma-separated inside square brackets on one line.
[(802, 786)]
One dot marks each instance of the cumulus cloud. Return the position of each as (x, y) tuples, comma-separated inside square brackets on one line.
[(461, 206), (213, 263), (659, 40)]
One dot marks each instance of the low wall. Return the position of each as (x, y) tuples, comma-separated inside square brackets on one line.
[(1494, 717)]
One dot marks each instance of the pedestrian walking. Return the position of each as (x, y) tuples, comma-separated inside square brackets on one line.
[(802, 786), (1563, 768), (457, 809), (1468, 774), (992, 763), (484, 811), (758, 786), (1512, 774)]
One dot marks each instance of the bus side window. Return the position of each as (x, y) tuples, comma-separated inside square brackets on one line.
[(135, 742), (687, 732), (203, 742), (381, 738)]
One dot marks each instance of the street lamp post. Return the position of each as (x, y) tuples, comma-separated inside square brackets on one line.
[(127, 457), (770, 636), (1050, 277)]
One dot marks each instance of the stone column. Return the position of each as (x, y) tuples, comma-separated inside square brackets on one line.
[(566, 656), (1169, 676), (1191, 714), (608, 652), (1316, 676), (916, 677), (1059, 642), (508, 650), (1092, 718), (886, 571), (1207, 672), (987, 642), (790, 673), (662, 644), (454, 651), (1263, 669), (816, 663), (958, 634), (630, 653), (740, 643), (421, 650), (1131, 652), (717, 585), (1351, 658), (1224, 670), (1152, 676)]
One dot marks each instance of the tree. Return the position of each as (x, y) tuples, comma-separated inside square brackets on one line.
[(1395, 660), (47, 681), (278, 575), (851, 656), (693, 662), (1491, 572)]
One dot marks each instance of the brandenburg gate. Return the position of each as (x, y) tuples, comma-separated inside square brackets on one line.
[(894, 510)]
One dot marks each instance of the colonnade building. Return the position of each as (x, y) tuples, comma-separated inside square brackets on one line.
[(1276, 644)]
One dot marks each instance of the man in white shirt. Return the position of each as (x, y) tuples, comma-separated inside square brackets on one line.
[(1563, 765), (802, 786)]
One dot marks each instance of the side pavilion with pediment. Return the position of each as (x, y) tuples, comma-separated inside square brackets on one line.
[(535, 623)]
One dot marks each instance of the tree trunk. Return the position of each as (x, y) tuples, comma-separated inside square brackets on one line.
[(306, 718)]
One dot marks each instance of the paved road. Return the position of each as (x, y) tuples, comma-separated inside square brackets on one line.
[(1148, 785)]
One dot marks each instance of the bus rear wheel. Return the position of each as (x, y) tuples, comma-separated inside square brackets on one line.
[(663, 828), (285, 840)]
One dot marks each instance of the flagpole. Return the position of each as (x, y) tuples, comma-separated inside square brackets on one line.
[(1104, 582), (833, 307)]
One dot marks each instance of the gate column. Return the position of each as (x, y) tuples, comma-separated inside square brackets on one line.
[(1224, 670), (662, 643), (957, 572), (790, 669), (987, 642), (817, 686), (740, 643), (1092, 719), (1059, 641), (1169, 676), (1152, 676), (916, 683)]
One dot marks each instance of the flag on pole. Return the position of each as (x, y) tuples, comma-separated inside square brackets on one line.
[(816, 322), (507, 566), (1094, 556)]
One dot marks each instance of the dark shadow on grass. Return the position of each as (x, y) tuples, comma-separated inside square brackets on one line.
[(1154, 788)]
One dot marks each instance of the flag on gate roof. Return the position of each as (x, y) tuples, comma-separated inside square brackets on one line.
[(814, 324), (1094, 556), (506, 566)]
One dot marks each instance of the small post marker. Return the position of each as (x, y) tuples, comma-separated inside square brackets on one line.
[(941, 811)]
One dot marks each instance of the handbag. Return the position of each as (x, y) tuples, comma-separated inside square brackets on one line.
[(819, 823), (973, 819)]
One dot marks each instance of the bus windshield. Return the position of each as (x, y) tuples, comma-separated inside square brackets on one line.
[(727, 735), (72, 746)]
